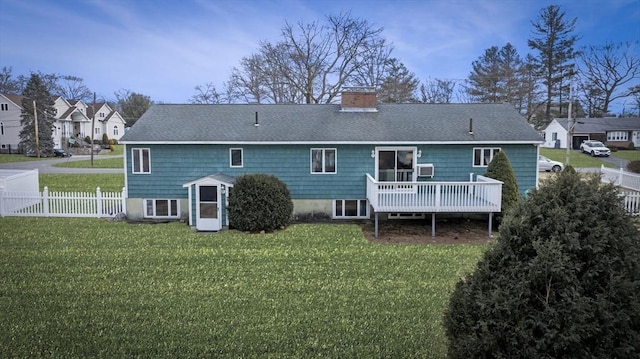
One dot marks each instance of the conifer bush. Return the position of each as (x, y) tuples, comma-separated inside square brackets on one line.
[(259, 202), (561, 281), (634, 166), (500, 169)]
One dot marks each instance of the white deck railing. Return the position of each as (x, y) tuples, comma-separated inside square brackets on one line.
[(621, 178), (62, 204), (631, 202), (483, 195)]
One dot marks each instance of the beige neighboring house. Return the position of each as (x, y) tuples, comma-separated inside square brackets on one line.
[(73, 120)]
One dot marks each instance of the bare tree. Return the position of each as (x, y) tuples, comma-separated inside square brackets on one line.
[(437, 91), (206, 94), (8, 85), (604, 72), (72, 88)]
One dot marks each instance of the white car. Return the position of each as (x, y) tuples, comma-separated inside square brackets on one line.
[(595, 148), (545, 164)]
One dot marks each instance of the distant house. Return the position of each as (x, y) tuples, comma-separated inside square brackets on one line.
[(73, 120), (341, 161), (612, 131)]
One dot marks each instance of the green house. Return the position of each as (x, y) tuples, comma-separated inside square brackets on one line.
[(346, 161)]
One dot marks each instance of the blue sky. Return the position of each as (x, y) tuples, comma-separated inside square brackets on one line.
[(163, 49)]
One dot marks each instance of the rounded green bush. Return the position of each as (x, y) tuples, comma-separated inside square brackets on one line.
[(259, 202), (634, 166), (561, 281)]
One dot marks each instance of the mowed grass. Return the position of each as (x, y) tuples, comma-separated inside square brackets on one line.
[(115, 162), (95, 288), (577, 159), (85, 182)]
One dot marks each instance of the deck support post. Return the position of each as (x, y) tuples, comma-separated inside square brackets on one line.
[(490, 224), (433, 224), (375, 231)]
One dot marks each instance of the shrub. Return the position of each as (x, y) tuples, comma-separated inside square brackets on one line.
[(500, 168), (87, 139), (561, 281), (634, 166), (105, 139), (259, 202)]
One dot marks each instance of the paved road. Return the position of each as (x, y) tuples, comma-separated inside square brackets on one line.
[(46, 166)]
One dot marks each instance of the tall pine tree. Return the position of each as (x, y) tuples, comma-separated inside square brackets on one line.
[(36, 90), (554, 40)]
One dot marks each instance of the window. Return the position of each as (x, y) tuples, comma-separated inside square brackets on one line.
[(235, 157), (96, 130), (1, 128), (323, 160), (482, 156), (161, 208), (618, 136), (115, 130), (140, 160), (101, 114), (4, 107), (554, 136), (396, 165), (350, 208)]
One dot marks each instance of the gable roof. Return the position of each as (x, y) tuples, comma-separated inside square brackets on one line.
[(392, 123), (601, 125), (16, 99)]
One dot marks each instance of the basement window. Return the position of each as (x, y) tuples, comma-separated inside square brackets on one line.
[(350, 208)]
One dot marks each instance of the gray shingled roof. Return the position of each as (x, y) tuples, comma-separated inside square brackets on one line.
[(416, 123), (602, 125)]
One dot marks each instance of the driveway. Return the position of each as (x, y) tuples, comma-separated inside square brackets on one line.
[(46, 166)]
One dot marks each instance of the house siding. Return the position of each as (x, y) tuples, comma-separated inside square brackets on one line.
[(174, 165)]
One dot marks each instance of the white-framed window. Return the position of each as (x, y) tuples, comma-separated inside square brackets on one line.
[(115, 130), (161, 208), (403, 215), (554, 136), (350, 208), (1, 128), (4, 107), (96, 130), (483, 156), (396, 164), (102, 114), (236, 158), (618, 136), (323, 160), (140, 160)]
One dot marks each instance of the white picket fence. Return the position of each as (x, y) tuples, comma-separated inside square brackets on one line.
[(628, 180), (62, 204)]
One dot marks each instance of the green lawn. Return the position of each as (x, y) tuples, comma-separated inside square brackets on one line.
[(627, 155), (577, 159), (67, 182), (117, 162), (95, 288), (4, 158)]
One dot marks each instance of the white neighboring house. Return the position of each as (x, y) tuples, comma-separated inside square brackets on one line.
[(10, 111), (612, 131), (73, 119)]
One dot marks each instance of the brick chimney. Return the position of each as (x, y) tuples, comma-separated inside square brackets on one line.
[(359, 99)]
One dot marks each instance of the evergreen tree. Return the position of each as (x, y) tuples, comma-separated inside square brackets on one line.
[(562, 280), (400, 84), (497, 76), (36, 90), (500, 168), (554, 42)]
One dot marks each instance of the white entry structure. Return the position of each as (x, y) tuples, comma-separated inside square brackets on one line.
[(208, 197)]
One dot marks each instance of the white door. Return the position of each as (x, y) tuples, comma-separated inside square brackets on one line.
[(636, 138), (208, 208)]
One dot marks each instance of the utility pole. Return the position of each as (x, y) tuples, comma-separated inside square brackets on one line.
[(570, 126), (93, 123), (35, 126)]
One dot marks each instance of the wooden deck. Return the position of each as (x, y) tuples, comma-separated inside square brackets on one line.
[(481, 196)]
